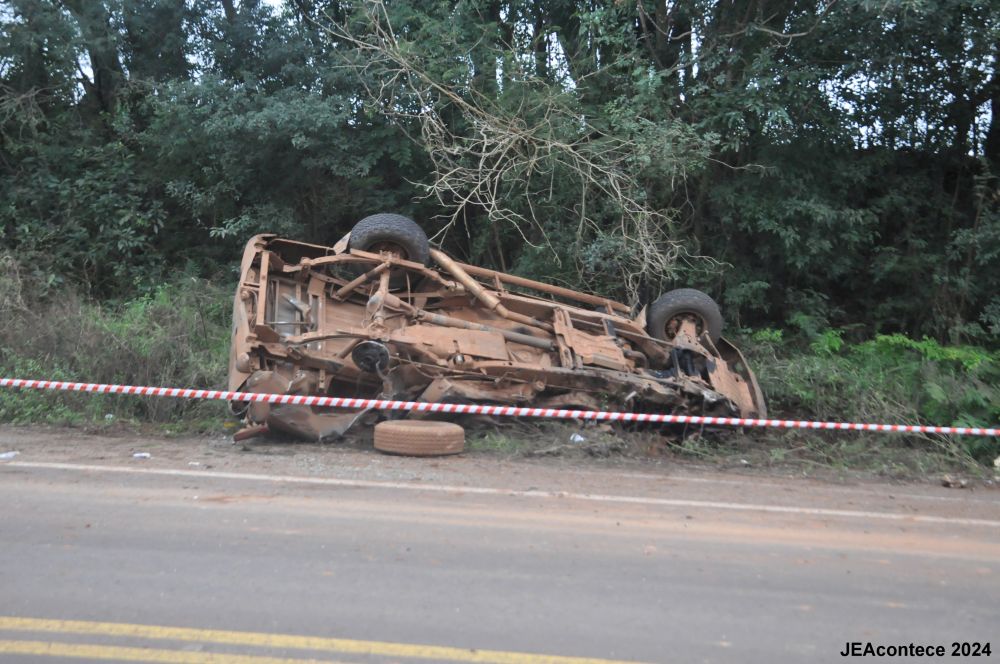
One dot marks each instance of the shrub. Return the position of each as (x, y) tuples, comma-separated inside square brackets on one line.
[(889, 379), (177, 335)]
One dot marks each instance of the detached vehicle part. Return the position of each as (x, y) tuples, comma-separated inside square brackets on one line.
[(382, 314), (419, 438)]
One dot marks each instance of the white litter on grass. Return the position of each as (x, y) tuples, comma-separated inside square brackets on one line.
[(142, 455), (996, 462), (7, 456), (577, 438)]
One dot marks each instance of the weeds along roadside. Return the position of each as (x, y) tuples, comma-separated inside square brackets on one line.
[(820, 376), (888, 379), (178, 335)]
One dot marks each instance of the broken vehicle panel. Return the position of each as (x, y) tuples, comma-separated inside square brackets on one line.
[(383, 315)]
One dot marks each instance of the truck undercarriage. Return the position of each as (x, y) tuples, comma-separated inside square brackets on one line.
[(381, 314)]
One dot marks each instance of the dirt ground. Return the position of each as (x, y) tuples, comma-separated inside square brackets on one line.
[(548, 459)]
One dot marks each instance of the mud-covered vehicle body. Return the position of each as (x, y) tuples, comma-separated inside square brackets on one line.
[(381, 314)]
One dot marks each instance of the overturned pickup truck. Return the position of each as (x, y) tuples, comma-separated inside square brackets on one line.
[(382, 314)]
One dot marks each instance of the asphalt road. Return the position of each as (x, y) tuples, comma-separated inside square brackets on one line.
[(171, 562)]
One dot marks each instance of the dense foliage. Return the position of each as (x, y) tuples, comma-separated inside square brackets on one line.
[(813, 163)]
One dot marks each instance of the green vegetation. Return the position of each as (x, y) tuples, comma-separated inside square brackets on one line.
[(829, 171), (836, 160), (890, 379), (176, 335)]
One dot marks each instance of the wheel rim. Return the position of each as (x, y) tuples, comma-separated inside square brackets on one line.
[(389, 248), (676, 323)]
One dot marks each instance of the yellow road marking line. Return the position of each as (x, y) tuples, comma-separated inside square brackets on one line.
[(288, 641), (120, 654)]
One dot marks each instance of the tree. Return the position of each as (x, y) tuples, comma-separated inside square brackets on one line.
[(809, 162)]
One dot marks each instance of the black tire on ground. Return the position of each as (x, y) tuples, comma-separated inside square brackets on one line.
[(679, 302), (386, 230), (419, 438)]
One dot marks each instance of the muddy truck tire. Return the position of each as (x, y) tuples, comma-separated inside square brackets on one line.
[(386, 231), (680, 302), (419, 438)]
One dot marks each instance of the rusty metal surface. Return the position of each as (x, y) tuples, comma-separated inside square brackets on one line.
[(309, 319)]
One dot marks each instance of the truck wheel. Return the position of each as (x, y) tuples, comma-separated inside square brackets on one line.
[(419, 438), (663, 314), (391, 232)]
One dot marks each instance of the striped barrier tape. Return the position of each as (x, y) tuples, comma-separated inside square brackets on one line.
[(475, 409)]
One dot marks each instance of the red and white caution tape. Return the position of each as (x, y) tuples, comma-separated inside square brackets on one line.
[(474, 409)]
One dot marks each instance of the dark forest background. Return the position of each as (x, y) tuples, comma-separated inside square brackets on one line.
[(835, 160), (828, 170)]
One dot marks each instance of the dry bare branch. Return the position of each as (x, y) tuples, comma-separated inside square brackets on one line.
[(500, 157)]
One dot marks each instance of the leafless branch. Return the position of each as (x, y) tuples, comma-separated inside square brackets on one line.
[(494, 165)]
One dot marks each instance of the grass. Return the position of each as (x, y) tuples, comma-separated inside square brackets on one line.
[(176, 335), (500, 442), (888, 379)]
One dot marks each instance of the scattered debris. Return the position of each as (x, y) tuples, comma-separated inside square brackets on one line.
[(142, 455), (577, 438), (599, 448), (952, 483), (555, 450), (7, 456), (382, 314), (250, 432), (606, 449)]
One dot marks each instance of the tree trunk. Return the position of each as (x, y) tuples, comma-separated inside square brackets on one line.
[(108, 75), (991, 146)]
